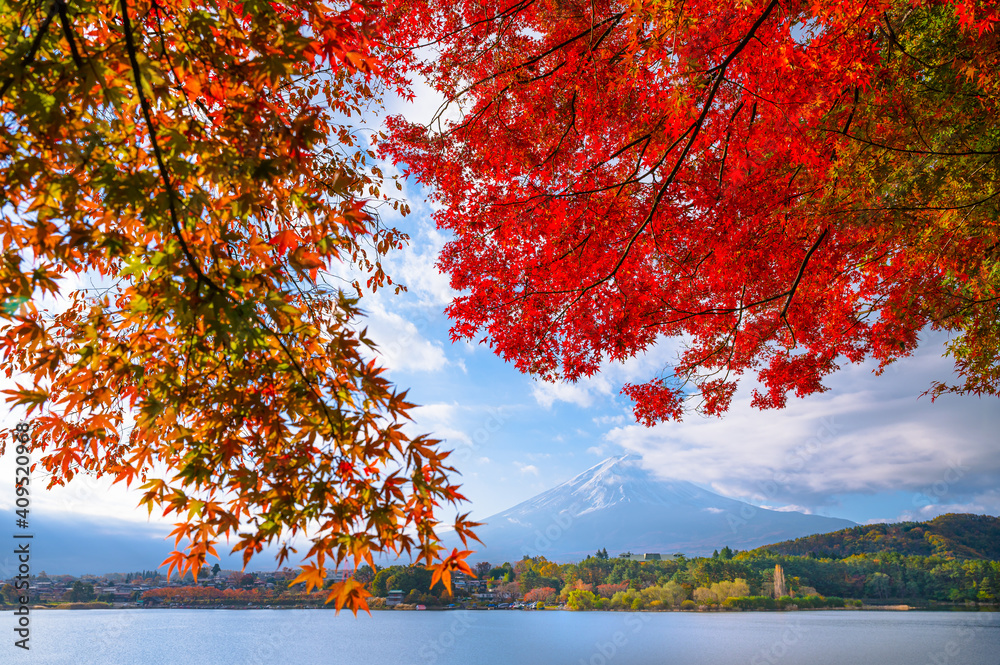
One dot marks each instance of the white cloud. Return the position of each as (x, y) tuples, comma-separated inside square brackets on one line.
[(401, 346), (605, 384), (415, 267), (866, 435), (440, 421), (580, 393), (880, 520), (791, 508), (421, 108), (527, 468), (983, 503)]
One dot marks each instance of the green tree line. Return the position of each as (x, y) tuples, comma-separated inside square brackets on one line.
[(725, 579)]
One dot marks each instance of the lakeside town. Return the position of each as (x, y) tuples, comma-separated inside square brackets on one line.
[(728, 580)]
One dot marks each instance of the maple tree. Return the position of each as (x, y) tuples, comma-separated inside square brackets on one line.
[(782, 185), (543, 594), (196, 164)]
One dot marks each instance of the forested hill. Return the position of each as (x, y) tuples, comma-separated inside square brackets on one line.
[(960, 536)]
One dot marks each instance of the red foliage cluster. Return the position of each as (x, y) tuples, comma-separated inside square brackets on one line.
[(608, 590), (783, 186), (545, 594)]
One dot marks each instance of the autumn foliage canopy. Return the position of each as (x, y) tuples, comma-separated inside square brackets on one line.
[(782, 186), (177, 179)]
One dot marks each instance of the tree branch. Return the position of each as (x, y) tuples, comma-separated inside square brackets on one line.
[(30, 56), (798, 278), (68, 31), (172, 199), (161, 165), (694, 130)]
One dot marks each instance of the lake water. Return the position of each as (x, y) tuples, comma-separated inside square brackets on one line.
[(292, 637)]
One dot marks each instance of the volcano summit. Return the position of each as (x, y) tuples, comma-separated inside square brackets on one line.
[(620, 506)]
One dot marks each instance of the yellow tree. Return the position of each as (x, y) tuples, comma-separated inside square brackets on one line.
[(196, 161)]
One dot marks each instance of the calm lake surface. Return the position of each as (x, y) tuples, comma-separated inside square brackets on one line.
[(257, 637)]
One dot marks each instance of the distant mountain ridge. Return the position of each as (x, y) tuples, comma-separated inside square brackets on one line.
[(959, 536), (620, 506), (80, 544)]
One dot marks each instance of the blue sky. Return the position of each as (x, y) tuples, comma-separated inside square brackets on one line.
[(869, 449)]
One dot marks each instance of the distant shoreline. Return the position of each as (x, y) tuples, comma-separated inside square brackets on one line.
[(863, 608)]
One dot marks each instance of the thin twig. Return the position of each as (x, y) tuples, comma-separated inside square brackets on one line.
[(798, 278), (30, 56)]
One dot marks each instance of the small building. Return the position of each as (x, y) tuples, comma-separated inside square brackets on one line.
[(338, 575), (395, 598), (649, 556), (462, 582)]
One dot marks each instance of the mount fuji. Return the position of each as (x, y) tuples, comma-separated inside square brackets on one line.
[(620, 506)]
